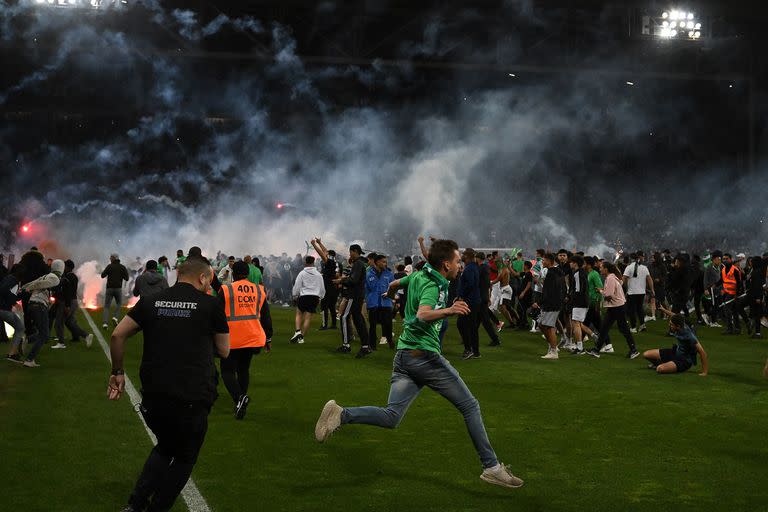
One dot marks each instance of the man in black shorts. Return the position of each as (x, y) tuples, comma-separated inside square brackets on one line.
[(183, 328), (308, 289), (681, 356)]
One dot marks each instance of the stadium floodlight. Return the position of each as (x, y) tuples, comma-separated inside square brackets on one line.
[(673, 24)]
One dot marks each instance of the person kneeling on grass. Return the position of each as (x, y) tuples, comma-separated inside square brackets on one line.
[(681, 356), (418, 363)]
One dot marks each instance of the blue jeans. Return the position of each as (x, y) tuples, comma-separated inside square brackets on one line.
[(14, 321), (410, 373), (109, 295)]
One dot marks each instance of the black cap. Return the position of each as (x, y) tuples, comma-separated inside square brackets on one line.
[(356, 248), (717, 254), (240, 268)]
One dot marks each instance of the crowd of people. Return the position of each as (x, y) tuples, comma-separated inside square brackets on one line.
[(221, 308)]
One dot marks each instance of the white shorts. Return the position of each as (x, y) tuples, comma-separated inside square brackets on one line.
[(506, 293), (579, 314), (495, 297), (548, 318)]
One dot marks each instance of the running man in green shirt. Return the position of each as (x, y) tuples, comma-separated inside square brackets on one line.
[(418, 363)]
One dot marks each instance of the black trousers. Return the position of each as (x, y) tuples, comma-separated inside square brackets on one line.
[(593, 318), (383, 317), (468, 326), (180, 428), (522, 310), (729, 311), (618, 316), (484, 315), (756, 311), (235, 372), (635, 309), (354, 311), (328, 305), (65, 316)]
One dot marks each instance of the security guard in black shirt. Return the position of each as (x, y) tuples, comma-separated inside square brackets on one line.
[(183, 327)]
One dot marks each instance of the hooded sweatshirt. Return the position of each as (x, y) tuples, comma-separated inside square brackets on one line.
[(40, 289), (149, 283), (309, 282)]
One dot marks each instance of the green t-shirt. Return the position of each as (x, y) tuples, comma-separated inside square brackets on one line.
[(517, 266), (594, 281), (426, 287), (254, 274)]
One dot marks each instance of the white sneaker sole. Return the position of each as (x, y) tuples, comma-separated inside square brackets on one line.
[(89, 340), (501, 483), (322, 429)]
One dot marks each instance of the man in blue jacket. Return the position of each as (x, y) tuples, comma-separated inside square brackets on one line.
[(469, 292), (377, 281)]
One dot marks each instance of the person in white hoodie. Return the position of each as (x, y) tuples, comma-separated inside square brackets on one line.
[(308, 290), (39, 304)]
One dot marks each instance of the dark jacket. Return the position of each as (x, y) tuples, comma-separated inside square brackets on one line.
[(756, 280), (7, 297), (485, 282), (115, 273), (679, 285), (355, 284), (69, 283), (469, 285), (579, 289), (553, 291), (149, 283)]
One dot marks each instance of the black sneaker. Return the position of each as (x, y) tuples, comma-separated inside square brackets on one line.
[(15, 358), (344, 349), (242, 405), (364, 351), (476, 356), (467, 354), (632, 354), (594, 353), (496, 343), (323, 328), (296, 337)]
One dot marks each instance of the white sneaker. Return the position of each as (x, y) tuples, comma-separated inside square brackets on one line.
[(296, 337), (31, 364), (501, 475), (534, 329), (89, 340), (551, 354), (585, 338), (715, 324), (329, 421), (607, 349), (641, 328), (59, 345), (114, 320), (104, 326), (649, 318), (633, 330), (383, 341)]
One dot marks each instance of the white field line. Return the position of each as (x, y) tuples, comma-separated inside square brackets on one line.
[(191, 494)]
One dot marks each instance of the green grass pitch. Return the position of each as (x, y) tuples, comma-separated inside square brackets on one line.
[(585, 434)]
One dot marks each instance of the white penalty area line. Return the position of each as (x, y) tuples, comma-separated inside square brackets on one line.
[(191, 494)]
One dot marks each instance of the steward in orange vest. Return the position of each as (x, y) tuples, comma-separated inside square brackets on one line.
[(250, 328)]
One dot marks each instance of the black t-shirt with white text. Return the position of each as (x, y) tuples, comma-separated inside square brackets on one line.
[(179, 326)]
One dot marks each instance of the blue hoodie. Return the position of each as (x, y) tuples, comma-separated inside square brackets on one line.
[(376, 285)]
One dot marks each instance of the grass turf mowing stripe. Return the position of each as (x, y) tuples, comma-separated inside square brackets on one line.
[(191, 494)]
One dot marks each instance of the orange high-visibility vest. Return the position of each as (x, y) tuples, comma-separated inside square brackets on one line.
[(242, 305), (729, 280)]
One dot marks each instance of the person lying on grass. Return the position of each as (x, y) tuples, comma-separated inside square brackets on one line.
[(681, 356)]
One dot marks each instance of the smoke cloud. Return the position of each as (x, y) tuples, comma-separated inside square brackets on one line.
[(208, 156)]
